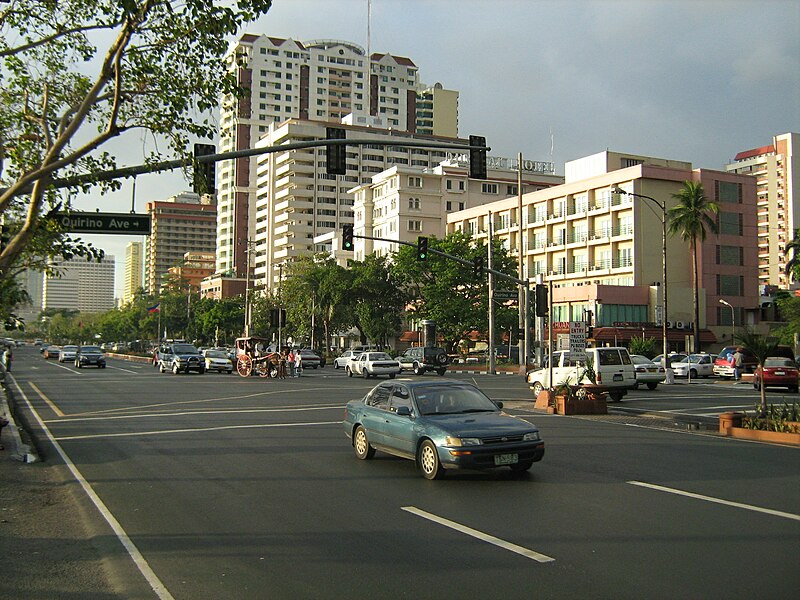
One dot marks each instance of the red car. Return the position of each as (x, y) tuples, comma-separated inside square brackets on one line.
[(777, 372)]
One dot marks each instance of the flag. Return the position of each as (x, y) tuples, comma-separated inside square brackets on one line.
[(155, 308)]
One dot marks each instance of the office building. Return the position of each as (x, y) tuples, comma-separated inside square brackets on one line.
[(183, 223), (601, 250), (777, 176), (134, 271), (320, 81), (85, 286), (189, 274)]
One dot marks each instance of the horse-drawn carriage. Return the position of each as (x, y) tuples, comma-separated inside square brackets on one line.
[(252, 356)]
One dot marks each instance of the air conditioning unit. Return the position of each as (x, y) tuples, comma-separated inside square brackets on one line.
[(669, 324), (679, 324)]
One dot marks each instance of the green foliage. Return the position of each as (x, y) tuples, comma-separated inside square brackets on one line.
[(80, 73), (642, 345), (376, 298), (446, 292), (793, 261), (782, 418), (761, 347), (789, 310)]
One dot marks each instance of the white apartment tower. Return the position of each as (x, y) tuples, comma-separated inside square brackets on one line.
[(86, 286), (778, 185), (319, 80)]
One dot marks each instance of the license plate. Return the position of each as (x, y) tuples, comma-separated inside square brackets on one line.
[(780, 373), (506, 459), (618, 377)]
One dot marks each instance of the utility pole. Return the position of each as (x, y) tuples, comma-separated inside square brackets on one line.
[(490, 263)]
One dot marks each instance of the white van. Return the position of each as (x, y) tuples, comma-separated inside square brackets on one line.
[(613, 367)]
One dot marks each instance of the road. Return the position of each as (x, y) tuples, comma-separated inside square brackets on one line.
[(222, 487)]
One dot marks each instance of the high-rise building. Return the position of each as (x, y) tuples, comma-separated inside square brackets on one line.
[(86, 286), (319, 80), (602, 250), (777, 176), (183, 223), (134, 271)]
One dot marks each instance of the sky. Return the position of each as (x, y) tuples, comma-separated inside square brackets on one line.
[(557, 80)]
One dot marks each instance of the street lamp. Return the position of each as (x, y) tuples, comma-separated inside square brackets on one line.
[(664, 313), (733, 317)]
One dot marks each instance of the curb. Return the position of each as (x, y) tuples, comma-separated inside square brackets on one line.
[(19, 451)]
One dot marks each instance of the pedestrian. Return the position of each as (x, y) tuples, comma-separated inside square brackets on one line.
[(738, 360), (290, 362), (8, 357), (3, 423), (298, 363)]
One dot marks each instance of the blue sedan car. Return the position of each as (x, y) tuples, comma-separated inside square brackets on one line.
[(441, 425)]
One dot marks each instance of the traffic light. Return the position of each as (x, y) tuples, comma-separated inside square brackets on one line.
[(335, 163), (477, 158), (277, 317), (347, 237), (204, 172), (422, 248), (477, 267), (542, 308)]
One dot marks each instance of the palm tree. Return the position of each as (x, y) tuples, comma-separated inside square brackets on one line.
[(793, 263), (690, 219), (761, 347)]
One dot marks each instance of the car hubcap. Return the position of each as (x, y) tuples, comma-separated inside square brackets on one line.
[(361, 442), (428, 460)]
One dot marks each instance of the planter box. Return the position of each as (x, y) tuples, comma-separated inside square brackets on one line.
[(544, 400), (774, 437), (575, 406)]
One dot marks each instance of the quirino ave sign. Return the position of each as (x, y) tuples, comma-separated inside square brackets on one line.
[(113, 223)]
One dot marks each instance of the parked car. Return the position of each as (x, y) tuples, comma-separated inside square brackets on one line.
[(180, 358), (340, 362), (310, 359), (217, 360), (695, 365), (777, 371), (612, 366), (422, 359), (51, 351), (722, 364), (67, 353), (441, 425), (647, 372), (90, 355), (673, 358), (372, 364)]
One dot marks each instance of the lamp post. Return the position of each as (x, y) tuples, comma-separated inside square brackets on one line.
[(664, 313), (733, 317)]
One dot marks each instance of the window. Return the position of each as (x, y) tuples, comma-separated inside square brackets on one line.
[(730, 223), (489, 188), (415, 225), (414, 204), (730, 255), (730, 285), (449, 184), (511, 190), (415, 182), (379, 398), (728, 191)]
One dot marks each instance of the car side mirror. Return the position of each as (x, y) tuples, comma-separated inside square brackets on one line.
[(498, 403), (403, 411)]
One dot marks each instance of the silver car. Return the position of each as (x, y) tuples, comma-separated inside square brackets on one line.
[(340, 362), (67, 353), (695, 365)]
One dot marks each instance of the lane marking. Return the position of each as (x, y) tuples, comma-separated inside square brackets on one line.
[(47, 400), (98, 436), (484, 537), (121, 369), (138, 559), (767, 511)]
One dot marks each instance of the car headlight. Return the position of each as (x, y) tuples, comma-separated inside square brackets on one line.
[(531, 437), (457, 441)]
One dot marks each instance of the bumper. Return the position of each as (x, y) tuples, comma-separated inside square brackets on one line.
[(484, 458), (87, 362)]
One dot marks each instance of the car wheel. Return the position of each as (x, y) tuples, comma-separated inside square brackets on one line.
[(349, 372), (201, 371), (636, 385), (756, 384), (538, 388), (441, 358), (418, 370), (616, 395), (441, 371), (365, 373), (335, 366), (77, 364), (103, 366), (229, 371), (793, 389), (521, 466), (175, 369), (363, 449), (161, 368), (391, 375), (428, 461), (693, 373), (651, 386)]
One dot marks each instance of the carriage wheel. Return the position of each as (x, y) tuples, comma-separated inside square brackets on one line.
[(262, 368), (244, 366)]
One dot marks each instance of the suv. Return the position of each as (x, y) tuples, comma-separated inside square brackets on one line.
[(180, 358), (422, 359), (613, 367)]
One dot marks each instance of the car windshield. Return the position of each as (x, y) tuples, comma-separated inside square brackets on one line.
[(216, 354), (778, 362), (448, 400), (90, 350), (70, 348), (184, 349), (638, 359), (697, 358), (379, 356)]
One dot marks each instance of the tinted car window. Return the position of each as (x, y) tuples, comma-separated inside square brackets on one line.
[(91, 350), (400, 397), (609, 357), (380, 397), (778, 362), (184, 349)]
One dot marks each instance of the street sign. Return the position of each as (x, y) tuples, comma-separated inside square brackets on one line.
[(577, 340), (506, 295), (97, 222)]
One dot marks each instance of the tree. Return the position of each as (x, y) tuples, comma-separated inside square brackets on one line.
[(793, 263), (78, 74), (446, 292), (690, 219), (761, 347), (376, 298)]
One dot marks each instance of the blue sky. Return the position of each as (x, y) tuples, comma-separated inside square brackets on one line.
[(697, 80)]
